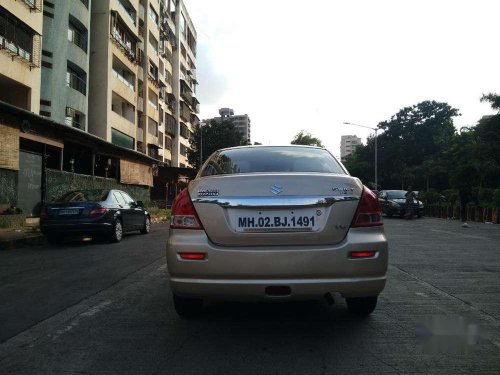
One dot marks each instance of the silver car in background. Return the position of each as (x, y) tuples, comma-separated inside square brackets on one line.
[(276, 223)]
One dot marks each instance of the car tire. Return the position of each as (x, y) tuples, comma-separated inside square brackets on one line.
[(361, 306), (54, 239), (187, 307), (147, 226), (117, 233)]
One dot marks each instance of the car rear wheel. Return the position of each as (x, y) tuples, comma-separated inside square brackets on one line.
[(361, 306), (187, 307), (147, 226), (117, 233)]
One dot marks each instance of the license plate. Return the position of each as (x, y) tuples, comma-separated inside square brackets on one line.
[(69, 212), (301, 220)]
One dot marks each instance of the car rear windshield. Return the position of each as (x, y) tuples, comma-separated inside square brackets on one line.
[(271, 159), (84, 196), (398, 194)]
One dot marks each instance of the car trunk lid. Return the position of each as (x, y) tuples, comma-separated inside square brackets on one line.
[(263, 209)]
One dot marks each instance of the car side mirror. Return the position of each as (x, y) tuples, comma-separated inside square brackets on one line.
[(140, 204)]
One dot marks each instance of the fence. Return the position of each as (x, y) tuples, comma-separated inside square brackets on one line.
[(474, 213)]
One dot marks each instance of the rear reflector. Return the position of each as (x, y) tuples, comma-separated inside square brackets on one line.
[(362, 254), (369, 212), (193, 256), (183, 213)]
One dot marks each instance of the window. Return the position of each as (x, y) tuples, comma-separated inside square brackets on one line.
[(76, 78), (129, 10), (153, 43), (183, 150), (272, 159), (170, 124), (128, 199), (152, 99), (184, 131), (168, 143), (45, 113), (120, 139), (15, 36), (123, 38), (77, 35), (153, 15), (153, 71), (119, 198), (183, 25), (152, 127), (74, 118)]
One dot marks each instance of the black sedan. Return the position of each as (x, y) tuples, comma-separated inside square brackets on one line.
[(393, 203), (107, 213)]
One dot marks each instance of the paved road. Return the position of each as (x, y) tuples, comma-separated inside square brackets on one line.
[(97, 308)]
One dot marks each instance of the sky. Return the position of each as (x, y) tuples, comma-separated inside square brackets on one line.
[(314, 64)]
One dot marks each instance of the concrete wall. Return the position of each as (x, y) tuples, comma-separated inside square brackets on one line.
[(60, 182), (8, 186)]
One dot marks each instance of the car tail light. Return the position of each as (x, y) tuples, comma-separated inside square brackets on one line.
[(362, 254), (98, 211), (193, 256), (183, 213), (369, 212)]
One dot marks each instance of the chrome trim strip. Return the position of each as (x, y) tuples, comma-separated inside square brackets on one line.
[(276, 202)]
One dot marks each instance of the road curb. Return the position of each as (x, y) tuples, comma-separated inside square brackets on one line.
[(29, 241)]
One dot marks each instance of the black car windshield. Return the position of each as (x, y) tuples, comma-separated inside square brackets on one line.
[(396, 194), (84, 196), (271, 159)]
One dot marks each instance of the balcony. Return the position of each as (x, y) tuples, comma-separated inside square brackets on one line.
[(128, 11), (19, 43), (76, 82), (120, 78), (33, 5)]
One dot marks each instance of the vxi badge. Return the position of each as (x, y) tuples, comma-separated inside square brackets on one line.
[(343, 190), (208, 193)]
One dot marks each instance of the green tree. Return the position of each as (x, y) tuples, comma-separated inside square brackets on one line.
[(411, 137), (493, 99), (212, 137), (307, 139)]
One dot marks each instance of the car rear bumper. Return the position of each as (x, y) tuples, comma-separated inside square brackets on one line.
[(75, 228), (244, 273)]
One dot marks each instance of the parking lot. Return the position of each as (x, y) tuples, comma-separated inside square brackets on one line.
[(107, 308)]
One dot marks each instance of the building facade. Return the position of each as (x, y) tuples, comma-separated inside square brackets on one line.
[(21, 28), (65, 62), (348, 144), (142, 77), (240, 122)]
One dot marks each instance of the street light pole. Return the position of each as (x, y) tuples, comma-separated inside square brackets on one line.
[(376, 148), (201, 145)]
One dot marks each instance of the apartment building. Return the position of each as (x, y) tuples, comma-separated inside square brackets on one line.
[(240, 122), (143, 77), (65, 62), (20, 47), (348, 144)]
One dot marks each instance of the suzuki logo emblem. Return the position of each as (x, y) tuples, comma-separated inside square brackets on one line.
[(276, 189)]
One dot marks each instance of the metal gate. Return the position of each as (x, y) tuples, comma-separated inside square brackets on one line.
[(29, 184)]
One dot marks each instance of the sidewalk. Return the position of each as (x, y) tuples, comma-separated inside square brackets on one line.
[(20, 237)]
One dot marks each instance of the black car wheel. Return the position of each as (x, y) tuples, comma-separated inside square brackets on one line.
[(187, 307), (117, 233), (147, 226), (361, 306)]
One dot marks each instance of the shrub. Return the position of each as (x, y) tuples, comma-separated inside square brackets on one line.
[(485, 197), (496, 198), (451, 196)]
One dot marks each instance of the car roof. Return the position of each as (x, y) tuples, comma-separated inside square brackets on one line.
[(266, 146)]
